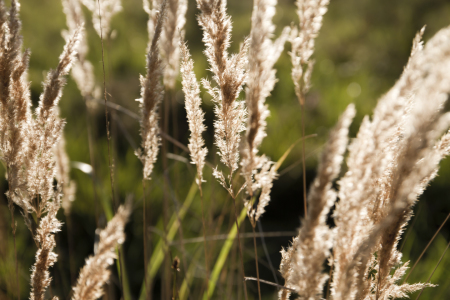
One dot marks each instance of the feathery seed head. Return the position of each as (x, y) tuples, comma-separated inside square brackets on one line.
[(152, 93), (95, 272), (107, 9), (195, 115)]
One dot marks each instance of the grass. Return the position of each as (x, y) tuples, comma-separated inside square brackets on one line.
[(347, 51)]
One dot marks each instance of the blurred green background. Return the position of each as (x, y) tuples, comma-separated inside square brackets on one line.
[(360, 52)]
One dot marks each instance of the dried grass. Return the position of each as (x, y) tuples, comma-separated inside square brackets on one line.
[(394, 156)]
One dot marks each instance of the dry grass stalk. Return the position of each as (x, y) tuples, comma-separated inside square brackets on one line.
[(398, 164), (259, 171), (95, 272), (302, 263), (27, 143), (391, 161), (16, 118), (152, 93), (108, 9), (310, 13), (45, 257), (171, 36), (152, 11), (48, 129), (229, 74), (195, 114), (82, 70)]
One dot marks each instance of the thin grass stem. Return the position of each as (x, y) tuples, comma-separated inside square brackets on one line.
[(426, 247), (166, 274), (240, 246), (92, 161), (13, 225), (431, 275), (204, 237), (266, 252), (256, 262), (409, 231), (302, 116), (105, 95), (108, 135), (270, 283), (144, 232)]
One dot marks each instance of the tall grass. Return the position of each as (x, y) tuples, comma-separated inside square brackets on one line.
[(354, 213)]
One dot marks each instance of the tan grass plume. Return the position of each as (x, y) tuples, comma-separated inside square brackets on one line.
[(152, 93), (259, 171), (229, 74), (95, 273)]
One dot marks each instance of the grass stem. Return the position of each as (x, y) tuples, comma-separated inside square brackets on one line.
[(426, 247), (240, 247), (256, 262), (205, 246)]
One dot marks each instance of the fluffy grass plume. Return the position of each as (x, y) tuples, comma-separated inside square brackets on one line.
[(390, 162), (152, 93), (102, 13), (95, 273), (195, 114), (393, 158), (259, 171), (229, 74)]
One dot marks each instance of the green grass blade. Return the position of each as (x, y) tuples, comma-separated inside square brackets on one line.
[(223, 257), (286, 153), (187, 281), (158, 253)]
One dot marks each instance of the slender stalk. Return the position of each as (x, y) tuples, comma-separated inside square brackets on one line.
[(270, 283), (180, 232), (409, 231), (266, 252), (204, 238), (256, 262), (431, 275), (426, 248), (108, 135), (166, 274), (92, 161), (121, 271), (240, 246), (13, 226), (302, 112), (144, 232)]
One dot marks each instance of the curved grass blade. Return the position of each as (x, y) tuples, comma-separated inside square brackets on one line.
[(223, 256), (158, 253)]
